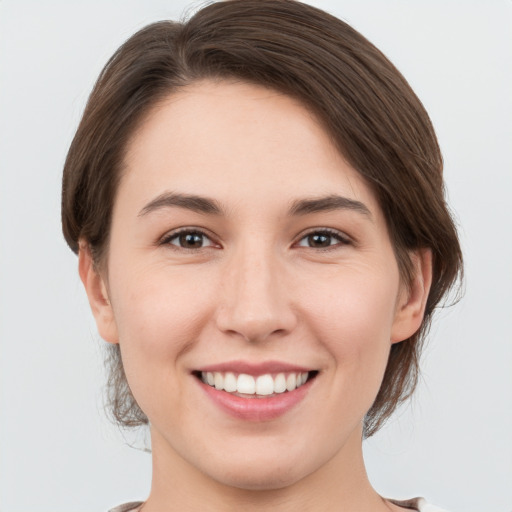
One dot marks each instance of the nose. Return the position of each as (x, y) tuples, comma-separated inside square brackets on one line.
[(255, 299)]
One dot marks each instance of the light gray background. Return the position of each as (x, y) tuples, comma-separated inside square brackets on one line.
[(58, 453)]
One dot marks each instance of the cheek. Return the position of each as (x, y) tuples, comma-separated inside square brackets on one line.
[(161, 301), (355, 305), (159, 315), (353, 318)]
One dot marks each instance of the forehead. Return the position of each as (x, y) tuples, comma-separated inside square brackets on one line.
[(236, 142)]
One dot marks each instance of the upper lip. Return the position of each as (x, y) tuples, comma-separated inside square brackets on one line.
[(254, 369)]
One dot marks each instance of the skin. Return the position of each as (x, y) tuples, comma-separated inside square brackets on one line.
[(258, 289)]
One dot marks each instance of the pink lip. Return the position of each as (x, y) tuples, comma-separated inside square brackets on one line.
[(254, 369), (255, 409)]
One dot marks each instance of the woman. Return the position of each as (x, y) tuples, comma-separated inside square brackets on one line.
[(256, 199)]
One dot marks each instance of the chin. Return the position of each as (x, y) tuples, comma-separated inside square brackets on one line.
[(264, 480), (265, 474)]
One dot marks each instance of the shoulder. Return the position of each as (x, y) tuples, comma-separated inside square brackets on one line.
[(133, 506), (418, 504)]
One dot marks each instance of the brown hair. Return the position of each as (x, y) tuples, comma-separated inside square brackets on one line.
[(366, 105)]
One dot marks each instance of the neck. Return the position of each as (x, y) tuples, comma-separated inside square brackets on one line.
[(339, 485)]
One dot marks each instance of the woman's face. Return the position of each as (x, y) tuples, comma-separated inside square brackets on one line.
[(246, 252)]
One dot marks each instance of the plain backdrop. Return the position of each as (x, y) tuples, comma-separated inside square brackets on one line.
[(58, 453)]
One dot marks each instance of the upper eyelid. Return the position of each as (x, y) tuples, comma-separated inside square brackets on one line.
[(173, 233), (205, 232), (330, 231)]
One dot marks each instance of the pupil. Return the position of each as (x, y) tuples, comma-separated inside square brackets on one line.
[(191, 240), (319, 240)]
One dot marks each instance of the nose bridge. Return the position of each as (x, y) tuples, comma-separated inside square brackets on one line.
[(254, 302)]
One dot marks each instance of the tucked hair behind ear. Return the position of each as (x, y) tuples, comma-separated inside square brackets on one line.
[(364, 103)]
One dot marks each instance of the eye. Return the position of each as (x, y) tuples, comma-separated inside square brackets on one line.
[(188, 239), (323, 239)]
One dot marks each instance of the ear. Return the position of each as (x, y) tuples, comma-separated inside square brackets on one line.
[(97, 292), (411, 304)]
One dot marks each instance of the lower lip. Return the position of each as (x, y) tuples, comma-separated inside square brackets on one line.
[(256, 409)]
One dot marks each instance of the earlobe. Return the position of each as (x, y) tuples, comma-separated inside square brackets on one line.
[(97, 293), (411, 310)]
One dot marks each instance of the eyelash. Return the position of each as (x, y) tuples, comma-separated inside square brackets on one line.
[(326, 232), (329, 233), (166, 240)]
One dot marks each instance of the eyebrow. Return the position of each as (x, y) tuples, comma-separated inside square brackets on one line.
[(328, 203), (205, 205), (195, 203)]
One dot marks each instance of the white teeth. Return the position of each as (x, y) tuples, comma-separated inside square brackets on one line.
[(230, 382), (280, 383), (291, 382), (219, 380), (246, 384), (263, 385)]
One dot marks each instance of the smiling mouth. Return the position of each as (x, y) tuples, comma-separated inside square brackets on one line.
[(262, 386)]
